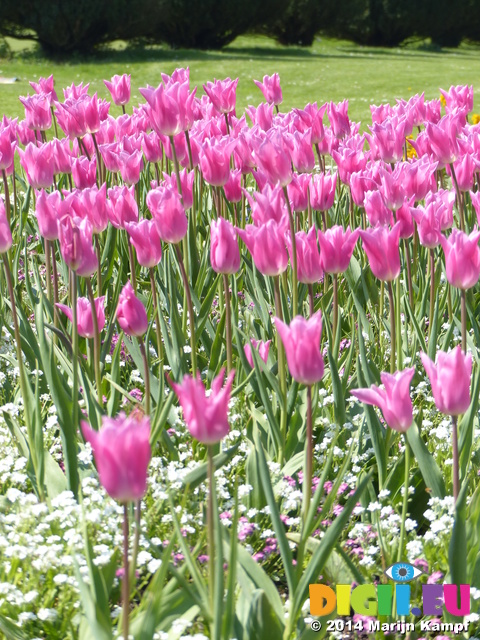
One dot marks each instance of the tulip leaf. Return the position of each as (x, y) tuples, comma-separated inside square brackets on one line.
[(457, 551), (277, 523), (466, 426), (338, 398), (426, 462), (194, 478), (377, 433), (10, 630), (262, 621), (323, 551)]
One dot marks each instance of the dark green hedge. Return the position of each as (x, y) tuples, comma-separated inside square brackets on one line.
[(71, 25)]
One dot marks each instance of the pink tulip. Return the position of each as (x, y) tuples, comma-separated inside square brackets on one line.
[(37, 111), (206, 417), (322, 191), (131, 314), (476, 203), (465, 168), (301, 340), (267, 246), (8, 144), (39, 164), (459, 97), (387, 140), (442, 138), (262, 116), (215, 160), (336, 248), (187, 179), (381, 246), (131, 165), (297, 191), (233, 186), (274, 159), (442, 202), (224, 251), (262, 348), (85, 316), (462, 258), (223, 94), (404, 217), (62, 156), (45, 85), (119, 89), (166, 208), (338, 116), (312, 116), (47, 207), (450, 379), (170, 107), (394, 400), (75, 238), (419, 178), (94, 203), (152, 147), (268, 205), (5, 233), (270, 87), (378, 213), (84, 172), (350, 157), (122, 206), (301, 152), (121, 449), (428, 225), (146, 240), (75, 91), (309, 263)]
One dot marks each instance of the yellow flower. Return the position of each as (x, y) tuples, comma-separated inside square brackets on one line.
[(411, 153), (442, 100), (475, 118)]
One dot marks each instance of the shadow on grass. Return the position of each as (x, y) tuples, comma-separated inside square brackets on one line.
[(148, 53)]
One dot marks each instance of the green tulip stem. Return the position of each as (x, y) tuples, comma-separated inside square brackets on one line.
[(400, 556), (158, 328), (125, 580), (282, 372), (294, 256), (228, 323), (456, 474), (210, 525), (432, 290), (146, 375), (463, 310), (307, 478), (96, 344), (392, 327), (191, 312)]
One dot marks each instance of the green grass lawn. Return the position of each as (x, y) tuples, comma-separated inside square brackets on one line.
[(329, 70)]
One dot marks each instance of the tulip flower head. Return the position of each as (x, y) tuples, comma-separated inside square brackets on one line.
[(262, 347), (224, 251), (270, 87), (146, 240), (393, 400), (5, 233), (267, 246), (85, 317), (301, 340), (381, 246), (131, 314), (206, 416), (336, 248), (462, 258), (119, 88), (450, 378), (121, 449)]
